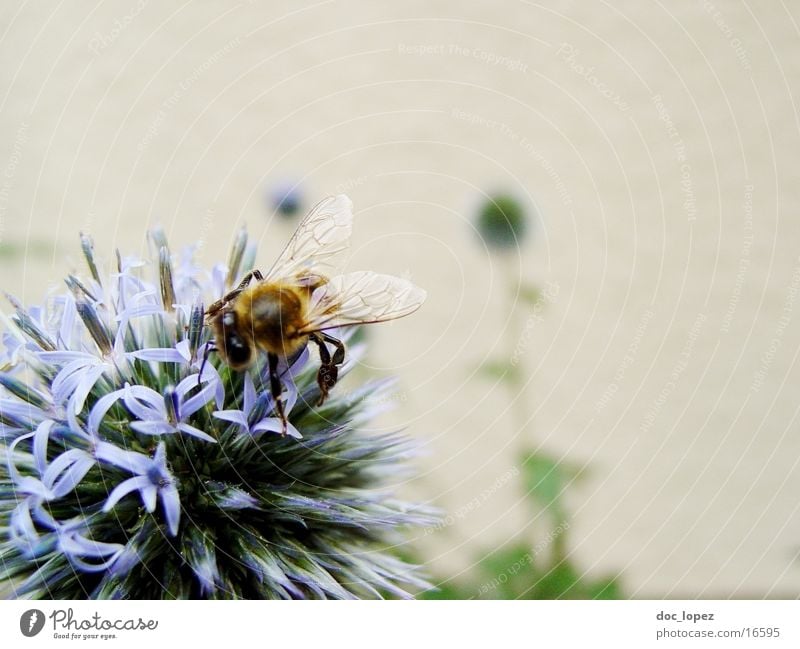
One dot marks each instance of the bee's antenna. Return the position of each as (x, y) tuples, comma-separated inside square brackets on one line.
[(210, 346)]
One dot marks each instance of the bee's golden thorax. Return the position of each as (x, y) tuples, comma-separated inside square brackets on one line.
[(273, 314)]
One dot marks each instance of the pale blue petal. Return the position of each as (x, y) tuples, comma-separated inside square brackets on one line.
[(131, 461), (125, 487), (290, 398), (249, 394), (85, 387), (155, 402), (271, 424), (219, 391), (219, 275), (61, 464), (57, 466), (186, 386), (70, 479), (40, 438), (159, 355), (219, 395), (73, 544), (146, 295), (92, 567), (274, 425), (21, 528), (209, 375), (33, 487), (172, 507), (126, 560), (291, 431), (67, 379), (153, 427), (58, 357), (180, 306), (234, 416), (148, 494), (8, 433), (148, 396), (119, 339), (67, 326), (75, 426), (21, 411), (67, 387), (12, 469), (160, 458), (193, 404), (298, 364), (195, 432), (143, 310), (129, 262), (100, 408), (43, 517), (183, 347)]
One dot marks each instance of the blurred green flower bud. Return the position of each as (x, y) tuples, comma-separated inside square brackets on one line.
[(502, 221)]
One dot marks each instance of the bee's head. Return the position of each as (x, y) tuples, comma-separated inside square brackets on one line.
[(233, 343)]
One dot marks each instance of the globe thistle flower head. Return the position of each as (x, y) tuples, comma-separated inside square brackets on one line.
[(502, 221), (132, 466), (285, 198)]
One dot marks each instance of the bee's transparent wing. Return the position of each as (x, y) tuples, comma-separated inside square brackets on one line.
[(322, 234), (360, 298)]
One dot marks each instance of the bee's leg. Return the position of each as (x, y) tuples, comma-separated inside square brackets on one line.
[(338, 355), (249, 276), (328, 372), (219, 304), (211, 346), (277, 390)]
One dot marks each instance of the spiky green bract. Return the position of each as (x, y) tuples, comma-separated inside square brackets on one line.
[(126, 474)]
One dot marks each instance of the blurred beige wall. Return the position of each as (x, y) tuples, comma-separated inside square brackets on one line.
[(657, 142)]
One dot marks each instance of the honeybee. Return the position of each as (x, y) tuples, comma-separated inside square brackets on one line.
[(296, 302)]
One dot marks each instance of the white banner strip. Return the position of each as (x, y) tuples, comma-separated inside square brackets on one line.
[(376, 625)]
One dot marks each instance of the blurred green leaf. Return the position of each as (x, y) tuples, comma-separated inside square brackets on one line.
[(499, 370), (604, 589), (445, 591), (505, 573), (498, 562), (516, 571), (545, 481), (560, 582), (32, 248)]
